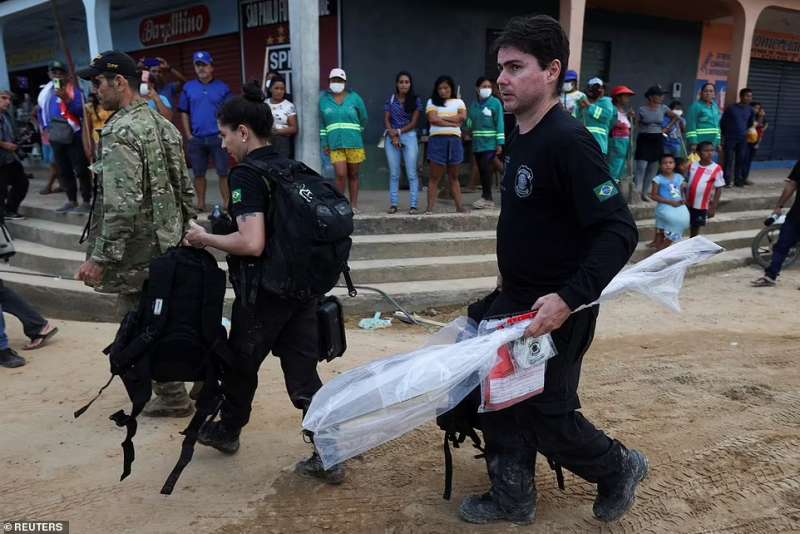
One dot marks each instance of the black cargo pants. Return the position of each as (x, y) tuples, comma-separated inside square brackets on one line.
[(548, 423), (286, 328)]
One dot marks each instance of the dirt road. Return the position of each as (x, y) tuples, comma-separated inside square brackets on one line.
[(711, 395)]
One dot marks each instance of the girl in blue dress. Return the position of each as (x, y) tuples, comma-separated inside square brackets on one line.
[(672, 215)]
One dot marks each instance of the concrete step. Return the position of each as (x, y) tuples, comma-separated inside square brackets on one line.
[(762, 199), (61, 235), (723, 222), (64, 298), (386, 246), (729, 241), (426, 268)]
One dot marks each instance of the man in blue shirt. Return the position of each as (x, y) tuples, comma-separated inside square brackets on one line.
[(200, 101), (61, 104), (734, 124)]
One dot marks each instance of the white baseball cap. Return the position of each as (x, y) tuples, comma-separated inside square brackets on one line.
[(595, 81), (337, 73)]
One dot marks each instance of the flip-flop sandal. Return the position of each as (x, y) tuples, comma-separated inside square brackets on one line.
[(762, 282), (39, 340)]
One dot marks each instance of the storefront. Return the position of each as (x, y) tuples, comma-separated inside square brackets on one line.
[(177, 34), (774, 79), (265, 42)]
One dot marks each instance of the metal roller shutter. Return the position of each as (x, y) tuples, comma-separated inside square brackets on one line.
[(776, 84)]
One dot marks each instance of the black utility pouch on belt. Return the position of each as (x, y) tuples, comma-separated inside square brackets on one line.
[(332, 342)]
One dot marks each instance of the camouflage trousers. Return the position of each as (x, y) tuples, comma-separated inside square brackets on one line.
[(173, 392)]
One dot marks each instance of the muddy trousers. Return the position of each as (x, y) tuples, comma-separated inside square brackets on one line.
[(548, 423), (289, 330), (174, 392)]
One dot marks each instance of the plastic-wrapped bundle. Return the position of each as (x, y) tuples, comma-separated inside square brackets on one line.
[(372, 404)]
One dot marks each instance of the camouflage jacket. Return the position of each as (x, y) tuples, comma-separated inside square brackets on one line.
[(144, 196)]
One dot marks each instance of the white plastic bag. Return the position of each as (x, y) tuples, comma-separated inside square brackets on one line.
[(372, 404)]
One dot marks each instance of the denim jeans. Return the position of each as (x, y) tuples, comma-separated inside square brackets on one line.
[(408, 151), (11, 302), (789, 236)]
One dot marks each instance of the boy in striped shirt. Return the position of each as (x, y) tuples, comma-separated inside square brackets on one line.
[(706, 181)]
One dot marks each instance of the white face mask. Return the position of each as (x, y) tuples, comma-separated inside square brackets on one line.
[(485, 92), (678, 112), (568, 87), (337, 87)]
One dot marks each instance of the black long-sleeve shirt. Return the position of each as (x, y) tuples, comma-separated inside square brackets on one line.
[(564, 226)]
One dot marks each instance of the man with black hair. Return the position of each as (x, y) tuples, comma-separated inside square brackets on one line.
[(564, 232), (143, 204), (735, 122)]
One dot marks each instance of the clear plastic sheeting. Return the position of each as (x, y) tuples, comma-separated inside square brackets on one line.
[(375, 403), (660, 276), (370, 405)]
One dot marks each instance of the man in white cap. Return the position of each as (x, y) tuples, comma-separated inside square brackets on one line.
[(597, 113)]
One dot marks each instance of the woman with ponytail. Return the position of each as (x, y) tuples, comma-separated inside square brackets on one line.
[(286, 328)]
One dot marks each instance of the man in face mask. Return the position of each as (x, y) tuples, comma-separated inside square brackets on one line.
[(570, 93)]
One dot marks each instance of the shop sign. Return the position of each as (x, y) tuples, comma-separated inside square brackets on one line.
[(179, 25), (776, 46), (259, 13)]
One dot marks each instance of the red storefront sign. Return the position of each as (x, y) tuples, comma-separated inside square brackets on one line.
[(175, 26)]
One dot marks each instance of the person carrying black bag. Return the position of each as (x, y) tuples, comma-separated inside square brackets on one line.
[(264, 319)]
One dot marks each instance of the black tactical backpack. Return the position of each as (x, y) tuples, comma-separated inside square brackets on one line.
[(309, 226), (175, 335)]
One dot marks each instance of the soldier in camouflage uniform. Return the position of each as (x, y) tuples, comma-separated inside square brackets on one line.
[(143, 203)]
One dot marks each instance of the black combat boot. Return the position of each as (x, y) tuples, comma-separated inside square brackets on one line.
[(617, 493), (513, 494), (312, 467), (216, 434)]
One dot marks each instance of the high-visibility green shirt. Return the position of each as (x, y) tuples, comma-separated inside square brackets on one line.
[(599, 119), (485, 119), (342, 125), (702, 123)]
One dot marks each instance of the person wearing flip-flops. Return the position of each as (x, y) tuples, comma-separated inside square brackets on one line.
[(36, 327), (790, 231)]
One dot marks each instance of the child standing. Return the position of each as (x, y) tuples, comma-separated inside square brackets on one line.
[(672, 216), (705, 181)]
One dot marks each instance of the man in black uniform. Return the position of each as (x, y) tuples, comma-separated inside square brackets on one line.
[(564, 232)]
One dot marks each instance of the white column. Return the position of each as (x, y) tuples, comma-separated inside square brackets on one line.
[(304, 38), (5, 82), (745, 17), (571, 17), (98, 25)]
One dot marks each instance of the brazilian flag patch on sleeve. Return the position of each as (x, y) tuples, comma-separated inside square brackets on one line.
[(236, 196), (606, 190)]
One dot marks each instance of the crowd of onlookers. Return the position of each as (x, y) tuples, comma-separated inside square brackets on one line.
[(453, 133)]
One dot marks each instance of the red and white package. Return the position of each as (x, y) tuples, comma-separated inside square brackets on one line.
[(519, 373)]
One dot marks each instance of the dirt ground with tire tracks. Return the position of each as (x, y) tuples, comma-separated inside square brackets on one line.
[(712, 396)]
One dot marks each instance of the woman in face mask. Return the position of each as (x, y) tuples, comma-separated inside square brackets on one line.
[(343, 117), (673, 142), (400, 117), (485, 119), (619, 141)]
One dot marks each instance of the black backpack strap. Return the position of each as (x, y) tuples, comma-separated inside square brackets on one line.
[(208, 405), (81, 411), (457, 438), (556, 466), (139, 387), (351, 289)]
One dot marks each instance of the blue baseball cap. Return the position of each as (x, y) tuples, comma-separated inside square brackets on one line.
[(571, 76), (202, 57)]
